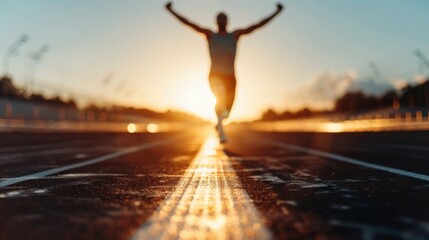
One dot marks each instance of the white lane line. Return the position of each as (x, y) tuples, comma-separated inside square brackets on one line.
[(208, 203), (103, 158), (349, 160)]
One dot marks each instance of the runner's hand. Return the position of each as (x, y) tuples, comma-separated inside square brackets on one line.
[(279, 7), (169, 5)]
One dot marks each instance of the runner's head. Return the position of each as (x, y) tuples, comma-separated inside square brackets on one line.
[(222, 21)]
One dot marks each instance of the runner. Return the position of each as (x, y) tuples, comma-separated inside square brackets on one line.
[(223, 48)]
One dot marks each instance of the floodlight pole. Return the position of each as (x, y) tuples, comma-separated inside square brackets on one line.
[(424, 62), (13, 50), (36, 57)]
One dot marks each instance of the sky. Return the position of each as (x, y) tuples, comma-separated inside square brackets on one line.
[(133, 52)]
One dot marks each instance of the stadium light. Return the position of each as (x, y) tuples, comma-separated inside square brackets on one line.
[(36, 57), (12, 50)]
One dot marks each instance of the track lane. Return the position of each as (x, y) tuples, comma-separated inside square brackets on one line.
[(305, 196), (19, 163), (105, 200), (208, 203), (298, 195), (379, 148)]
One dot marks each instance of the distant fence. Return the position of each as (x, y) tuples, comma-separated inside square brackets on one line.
[(403, 115), (15, 125), (23, 110), (387, 121), (18, 115)]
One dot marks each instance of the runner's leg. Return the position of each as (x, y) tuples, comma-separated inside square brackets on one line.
[(230, 86), (218, 87)]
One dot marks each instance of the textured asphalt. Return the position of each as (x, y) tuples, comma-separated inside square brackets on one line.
[(298, 195)]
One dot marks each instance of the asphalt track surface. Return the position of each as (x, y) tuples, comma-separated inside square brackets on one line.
[(185, 185)]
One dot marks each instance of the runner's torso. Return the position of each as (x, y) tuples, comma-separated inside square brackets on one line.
[(223, 48)]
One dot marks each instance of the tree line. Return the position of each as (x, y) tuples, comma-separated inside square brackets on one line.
[(411, 96), (8, 90)]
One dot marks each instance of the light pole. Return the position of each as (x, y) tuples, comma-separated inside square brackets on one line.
[(13, 50), (36, 57), (424, 65), (424, 62)]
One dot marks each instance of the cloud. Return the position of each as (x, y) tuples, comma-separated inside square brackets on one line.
[(417, 79), (325, 88)]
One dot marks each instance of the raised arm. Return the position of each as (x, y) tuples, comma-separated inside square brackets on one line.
[(185, 21), (262, 23)]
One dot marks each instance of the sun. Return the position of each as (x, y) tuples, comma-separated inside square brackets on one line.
[(196, 98)]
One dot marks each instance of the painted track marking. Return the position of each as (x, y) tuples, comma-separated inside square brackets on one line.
[(349, 160), (103, 158), (208, 203)]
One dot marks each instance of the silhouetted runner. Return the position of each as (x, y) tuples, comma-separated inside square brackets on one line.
[(223, 47)]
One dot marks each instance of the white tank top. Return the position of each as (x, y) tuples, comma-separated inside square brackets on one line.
[(223, 48)]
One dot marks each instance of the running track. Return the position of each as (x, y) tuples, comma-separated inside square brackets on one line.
[(185, 185)]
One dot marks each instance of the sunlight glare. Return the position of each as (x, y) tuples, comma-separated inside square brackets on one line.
[(152, 128), (208, 203), (132, 128), (197, 98), (333, 127)]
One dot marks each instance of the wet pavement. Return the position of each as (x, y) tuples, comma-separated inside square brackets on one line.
[(178, 184)]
